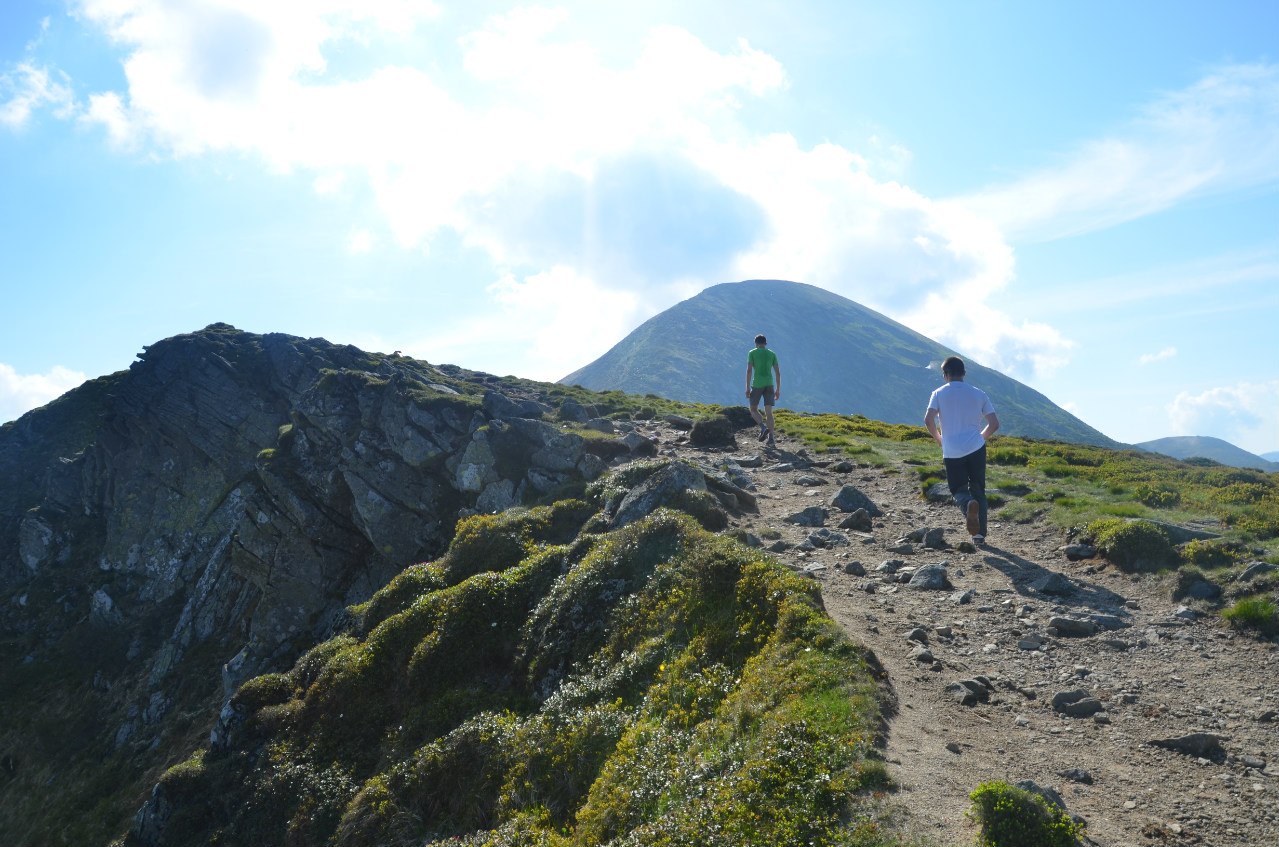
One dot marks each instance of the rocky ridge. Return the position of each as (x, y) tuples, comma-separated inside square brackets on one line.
[(202, 518)]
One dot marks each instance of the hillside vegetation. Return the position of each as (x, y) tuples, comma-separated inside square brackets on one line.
[(650, 685)]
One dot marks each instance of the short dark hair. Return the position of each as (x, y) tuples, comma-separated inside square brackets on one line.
[(953, 366), (759, 339)]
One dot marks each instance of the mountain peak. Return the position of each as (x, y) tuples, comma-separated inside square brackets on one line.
[(836, 355)]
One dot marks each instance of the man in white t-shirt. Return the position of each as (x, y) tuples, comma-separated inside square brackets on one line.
[(967, 421)]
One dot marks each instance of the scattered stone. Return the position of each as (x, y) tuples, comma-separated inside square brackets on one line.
[(918, 634), (938, 492), (1204, 745), (1110, 622), (1072, 627), (922, 654), (1075, 552), (842, 466), (1202, 589), (1256, 569), (825, 538), (970, 692), (712, 432), (858, 520), (1076, 704), (850, 499), (752, 461), (930, 578), (901, 549), (1053, 583), (779, 547), (809, 481), (966, 547), (953, 747), (890, 566), (1030, 642), (680, 422), (1076, 775), (1185, 613), (963, 597), (812, 516), (855, 568)]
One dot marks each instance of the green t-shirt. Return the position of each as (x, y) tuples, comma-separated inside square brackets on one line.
[(762, 361)]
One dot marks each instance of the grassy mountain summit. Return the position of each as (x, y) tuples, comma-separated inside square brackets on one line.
[(835, 356)]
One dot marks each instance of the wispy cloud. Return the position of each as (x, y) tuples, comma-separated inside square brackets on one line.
[(19, 393), (1220, 134), (1151, 358), (1243, 414), (26, 89)]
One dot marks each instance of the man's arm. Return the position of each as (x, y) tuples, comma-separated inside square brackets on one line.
[(930, 422), (992, 426), (777, 381), (750, 368)]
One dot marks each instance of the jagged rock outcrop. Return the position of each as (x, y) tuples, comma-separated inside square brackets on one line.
[(218, 506)]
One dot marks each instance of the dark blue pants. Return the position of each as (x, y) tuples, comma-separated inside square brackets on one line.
[(966, 479)]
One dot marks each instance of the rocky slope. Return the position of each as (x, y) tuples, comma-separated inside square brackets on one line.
[(1153, 720)]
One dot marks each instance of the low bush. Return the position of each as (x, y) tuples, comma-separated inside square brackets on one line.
[(1212, 553), (1158, 496), (1133, 545), (1013, 817)]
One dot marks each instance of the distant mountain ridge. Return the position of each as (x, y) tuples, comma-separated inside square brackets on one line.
[(835, 355), (1205, 446)]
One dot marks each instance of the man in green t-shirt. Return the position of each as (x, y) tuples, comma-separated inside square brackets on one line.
[(763, 379)]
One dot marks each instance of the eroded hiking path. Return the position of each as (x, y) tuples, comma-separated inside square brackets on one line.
[(1154, 675)]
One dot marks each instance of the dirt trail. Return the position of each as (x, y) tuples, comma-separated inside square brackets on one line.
[(1158, 676)]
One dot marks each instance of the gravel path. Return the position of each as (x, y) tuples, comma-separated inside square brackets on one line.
[(1151, 676)]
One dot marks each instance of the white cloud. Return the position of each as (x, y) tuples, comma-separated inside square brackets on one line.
[(360, 242), (552, 323), (27, 89), (1151, 358), (1220, 134), (20, 393), (561, 162), (1243, 414)]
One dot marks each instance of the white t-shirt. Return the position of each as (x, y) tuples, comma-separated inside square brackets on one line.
[(963, 411)]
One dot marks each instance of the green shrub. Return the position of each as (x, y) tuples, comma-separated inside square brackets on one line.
[(1005, 456), (1213, 553), (1013, 817), (1256, 613), (1158, 496), (1133, 545)]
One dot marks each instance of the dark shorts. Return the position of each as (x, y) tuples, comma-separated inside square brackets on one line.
[(766, 392)]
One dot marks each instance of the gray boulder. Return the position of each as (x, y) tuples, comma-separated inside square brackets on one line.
[(1072, 627), (812, 516), (850, 499), (930, 578), (859, 521)]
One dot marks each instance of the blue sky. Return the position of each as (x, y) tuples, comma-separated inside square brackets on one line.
[(1084, 195)]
